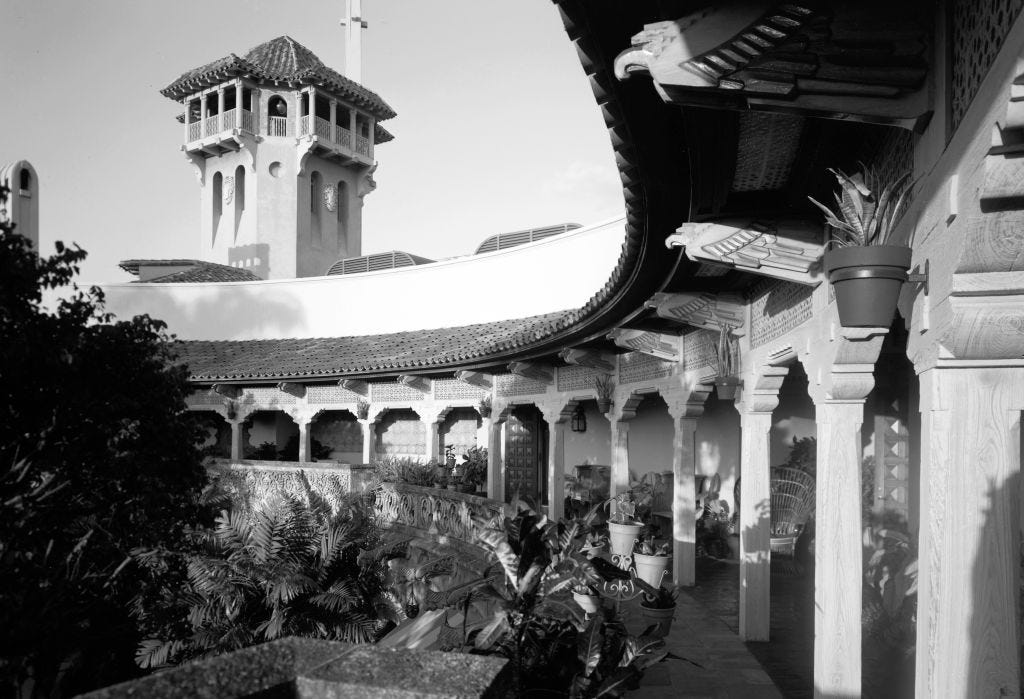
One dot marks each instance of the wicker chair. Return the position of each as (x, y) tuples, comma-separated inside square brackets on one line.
[(792, 503)]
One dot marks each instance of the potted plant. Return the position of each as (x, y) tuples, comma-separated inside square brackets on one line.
[(727, 356), (604, 385), (623, 529), (587, 596), (650, 560), (484, 406), (362, 409), (658, 606), (864, 269), (473, 472)]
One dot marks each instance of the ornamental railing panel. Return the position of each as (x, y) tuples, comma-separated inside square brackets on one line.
[(445, 514), (277, 126)]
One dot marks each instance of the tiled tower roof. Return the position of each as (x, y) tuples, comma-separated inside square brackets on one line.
[(279, 60)]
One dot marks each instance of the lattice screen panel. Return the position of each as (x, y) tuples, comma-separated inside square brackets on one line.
[(575, 378), (700, 349), (515, 385), (637, 366), (767, 147), (267, 396), (393, 392), (977, 31), (453, 389), (331, 394), (205, 398)]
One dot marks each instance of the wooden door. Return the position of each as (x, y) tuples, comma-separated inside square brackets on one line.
[(525, 454)]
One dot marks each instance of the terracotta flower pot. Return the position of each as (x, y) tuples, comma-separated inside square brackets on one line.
[(622, 537), (661, 617), (650, 569), (726, 387), (604, 404), (867, 282), (588, 603)]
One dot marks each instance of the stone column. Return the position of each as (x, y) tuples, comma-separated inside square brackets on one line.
[(220, 109), (433, 438), (967, 632), (367, 427), (188, 114), (334, 116), (755, 525), (257, 109), (556, 464), (237, 434), (239, 106), (619, 456), (837, 570), (495, 479), (684, 516), (304, 422)]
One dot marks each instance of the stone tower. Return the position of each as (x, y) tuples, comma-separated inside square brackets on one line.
[(283, 148), (22, 207)]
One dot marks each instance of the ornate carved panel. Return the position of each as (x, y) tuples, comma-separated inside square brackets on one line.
[(454, 389), (330, 195), (701, 309), (512, 385), (229, 190), (637, 366), (330, 394), (776, 308), (767, 148), (654, 344), (267, 397), (391, 392), (576, 378), (700, 349)]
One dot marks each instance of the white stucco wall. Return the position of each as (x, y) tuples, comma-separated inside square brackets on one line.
[(554, 274)]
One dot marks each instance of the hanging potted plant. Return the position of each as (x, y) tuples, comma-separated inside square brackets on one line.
[(727, 356), (484, 407), (362, 409), (650, 560), (864, 269), (604, 385)]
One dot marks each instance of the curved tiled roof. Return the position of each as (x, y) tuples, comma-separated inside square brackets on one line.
[(333, 357), (279, 60), (198, 271)]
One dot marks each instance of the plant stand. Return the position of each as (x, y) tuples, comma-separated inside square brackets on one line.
[(621, 590), (650, 569)]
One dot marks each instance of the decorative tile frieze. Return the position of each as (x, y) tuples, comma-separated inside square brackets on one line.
[(513, 385), (454, 389), (637, 366), (204, 398), (390, 392), (575, 378), (268, 396), (330, 394), (776, 308)]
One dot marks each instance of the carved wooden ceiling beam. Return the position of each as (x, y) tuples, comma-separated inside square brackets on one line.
[(355, 386), (841, 59), (420, 383), (227, 390), (787, 249), (290, 387), (589, 358), (701, 309), (654, 344), (475, 378), (533, 371)]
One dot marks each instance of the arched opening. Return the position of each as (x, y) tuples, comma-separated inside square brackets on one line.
[(266, 435), (343, 218), (338, 436), (277, 116), (401, 434), (217, 203), (214, 435), (315, 226), (526, 450), (25, 180), (239, 196), (458, 430)]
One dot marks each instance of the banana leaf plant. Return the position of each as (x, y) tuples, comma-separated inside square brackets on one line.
[(866, 210)]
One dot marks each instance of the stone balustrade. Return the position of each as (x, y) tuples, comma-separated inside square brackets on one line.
[(446, 515)]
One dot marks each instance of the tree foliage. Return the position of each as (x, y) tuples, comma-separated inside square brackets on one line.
[(97, 457)]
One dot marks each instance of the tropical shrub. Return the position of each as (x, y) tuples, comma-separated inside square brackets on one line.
[(97, 457), (290, 570)]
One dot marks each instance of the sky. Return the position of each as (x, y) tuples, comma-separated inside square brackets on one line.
[(497, 129)]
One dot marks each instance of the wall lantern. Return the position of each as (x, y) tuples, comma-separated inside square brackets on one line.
[(579, 419)]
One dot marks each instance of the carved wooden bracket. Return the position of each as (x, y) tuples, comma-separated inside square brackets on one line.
[(366, 183), (198, 163), (825, 59), (355, 386), (701, 309), (762, 394), (853, 364), (789, 249), (535, 372), (475, 378), (227, 390), (589, 358), (688, 403), (296, 389), (1003, 186), (987, 320), (420, 383), (654, 344)]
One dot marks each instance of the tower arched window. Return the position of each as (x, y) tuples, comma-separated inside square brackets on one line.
[(343, 217), (218, 202), (25, 179), (239, 196), (277, 116), (315, 227)]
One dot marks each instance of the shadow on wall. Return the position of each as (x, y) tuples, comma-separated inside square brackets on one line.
[(254, 257)]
